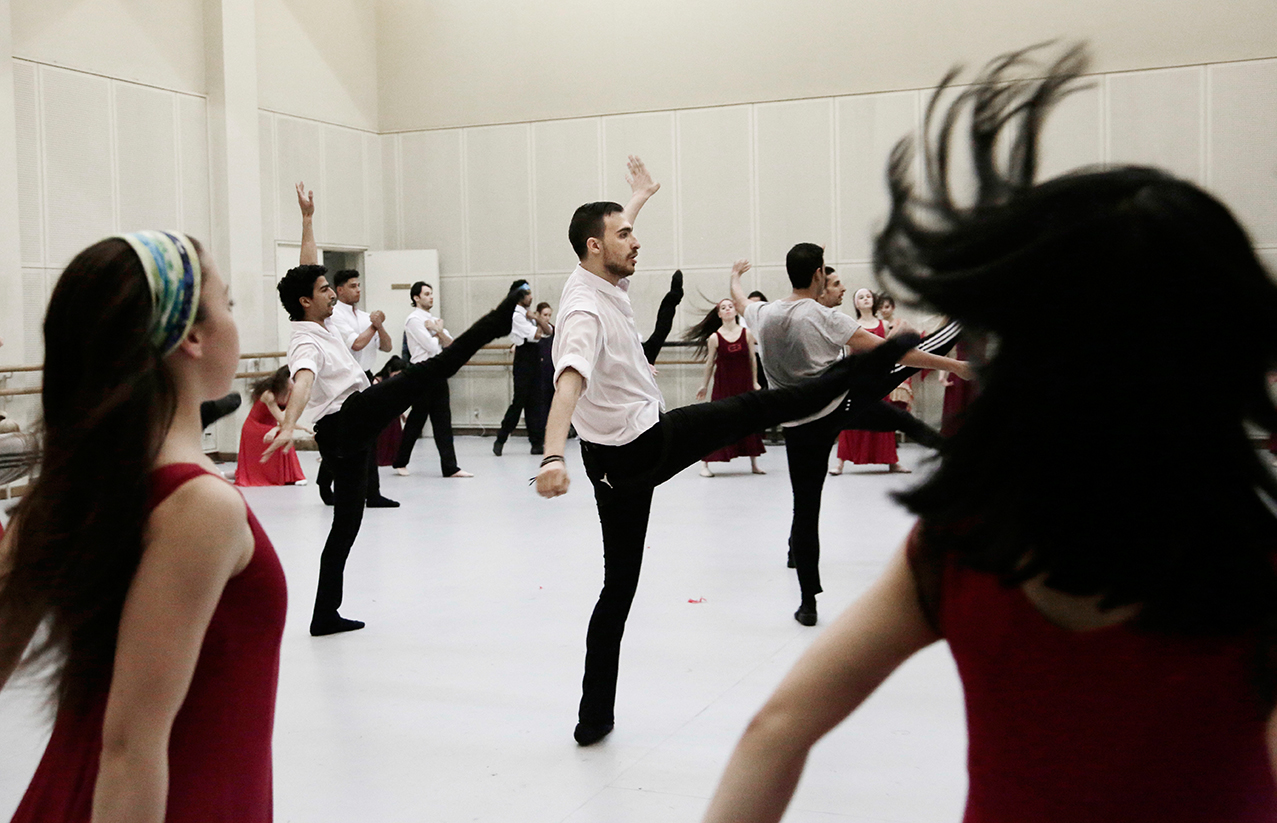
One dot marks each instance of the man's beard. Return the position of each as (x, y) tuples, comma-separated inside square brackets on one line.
[(619, 268)]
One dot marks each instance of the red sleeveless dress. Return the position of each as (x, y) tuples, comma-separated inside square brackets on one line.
[(1110, 725), (283, 467), (220, 747), (733, 375), (865, 448)]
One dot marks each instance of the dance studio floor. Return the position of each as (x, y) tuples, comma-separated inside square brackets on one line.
[(457, 702)]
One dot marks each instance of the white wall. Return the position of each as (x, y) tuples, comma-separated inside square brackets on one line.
[(318, 59), (459, 63), (155, 42), (752, 180)]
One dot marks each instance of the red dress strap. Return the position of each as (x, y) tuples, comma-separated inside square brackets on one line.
[(166, 479)]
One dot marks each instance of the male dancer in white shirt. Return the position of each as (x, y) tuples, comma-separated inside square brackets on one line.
[(526, 328), (358, 329), (426, 337), (350, 413), (604, 386)]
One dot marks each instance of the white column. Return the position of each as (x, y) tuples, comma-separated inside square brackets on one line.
[(11, 320)]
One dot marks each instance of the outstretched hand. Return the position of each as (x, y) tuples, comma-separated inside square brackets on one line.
[(637, 175), (280, 437), (305, 200), (740, 267)]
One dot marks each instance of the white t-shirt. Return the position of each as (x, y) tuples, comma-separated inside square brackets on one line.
[(337, 373), (596, 336), (348, 322), (522, 330), (423, 344), (798, 340)]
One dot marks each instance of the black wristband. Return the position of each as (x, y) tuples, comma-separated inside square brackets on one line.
[(552, 458)]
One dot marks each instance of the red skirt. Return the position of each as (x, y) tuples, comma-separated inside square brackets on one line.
[(282, 469), (867, 448)]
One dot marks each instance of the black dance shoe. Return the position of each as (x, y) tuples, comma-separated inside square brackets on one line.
[(537, 450), (326, 494), (587, 734), (806, 613), (676, 283), (336, 624), (380, 502), (498, 446)]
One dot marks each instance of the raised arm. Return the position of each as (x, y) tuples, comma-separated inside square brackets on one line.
[(738, 289), (281, 437), (306, 202), (641, 186), (843, 667), (196, 540)]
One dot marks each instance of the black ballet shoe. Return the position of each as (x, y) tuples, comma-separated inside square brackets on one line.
[(789, 562), (213, 410), (380, 502), (587, 734), (336, 624), (498, 446), (806, 613), (537, 450), (326, 495), (676, 284)]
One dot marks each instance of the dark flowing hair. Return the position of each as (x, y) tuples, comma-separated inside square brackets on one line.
[(275, 383), (1182, 523), (704, 330), (394, 364), (108, 401)]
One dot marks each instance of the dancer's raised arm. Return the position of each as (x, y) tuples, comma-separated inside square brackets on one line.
[(306, 202), (641, 184), (738, 289)]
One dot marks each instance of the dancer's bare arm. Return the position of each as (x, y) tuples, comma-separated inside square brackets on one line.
[(642, 186), (552, 479), (383, 336), (862, 341), (281, 437), (268, 397), (753, 359), (14, 634), (842, 668), (196, 540), (710, 360), (306, 202), (738, 289), (365, 337)]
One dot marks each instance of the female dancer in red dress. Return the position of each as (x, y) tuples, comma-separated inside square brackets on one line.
[(1116, 633), (161, 600), (730, 364), (270, 396), (868, 448)]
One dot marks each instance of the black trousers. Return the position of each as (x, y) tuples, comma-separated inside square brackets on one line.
[(434, 403), (624, 477), (324, 480), (347, 438), (527, 364), (807, 452)]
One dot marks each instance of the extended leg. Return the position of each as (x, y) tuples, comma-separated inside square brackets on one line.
[(807, 451), (412, 430), (664, 318)]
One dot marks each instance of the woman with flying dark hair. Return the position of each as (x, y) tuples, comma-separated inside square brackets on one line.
[(270, 398), (159, 598), (731, 366), (1114, 631)]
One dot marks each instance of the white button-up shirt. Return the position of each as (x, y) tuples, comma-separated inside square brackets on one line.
[(423, 344), (522, 330), (337, 373), (596, 337), (348, 322)]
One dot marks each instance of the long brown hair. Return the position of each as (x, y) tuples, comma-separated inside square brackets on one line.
[(108, 401)]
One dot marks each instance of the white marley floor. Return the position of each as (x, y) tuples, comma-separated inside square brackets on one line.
[(457, 702)]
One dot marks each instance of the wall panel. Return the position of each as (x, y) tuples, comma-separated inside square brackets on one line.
[(30, 193), (299, 158), (498, 200), (345, 207), (196, 196), (271, 228), (1074, 133), (795, 171), (651, 137), (1155, 118), (868, 128), (391, 181), (1243, 143), (715, 185), (79, 184), (432, 197), (146, 157), (567, 162)]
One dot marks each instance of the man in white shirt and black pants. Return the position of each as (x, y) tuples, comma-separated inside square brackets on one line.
[(349, 413), (525, 329), (358, 329), (605, 386), (425, 337)]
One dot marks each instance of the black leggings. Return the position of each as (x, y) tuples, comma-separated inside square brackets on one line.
[(347, 436), (436, 405)]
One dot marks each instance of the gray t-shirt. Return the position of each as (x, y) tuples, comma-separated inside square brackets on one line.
[(799, 340)]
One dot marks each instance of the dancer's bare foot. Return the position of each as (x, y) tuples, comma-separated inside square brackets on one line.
[(838, 471), (753, 466), (402, 471), (896, 468), (705, 472), (461, 473)]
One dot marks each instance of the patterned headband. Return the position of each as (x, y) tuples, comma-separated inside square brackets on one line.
[(173, 273)]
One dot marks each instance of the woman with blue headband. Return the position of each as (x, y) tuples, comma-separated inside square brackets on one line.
[(161, 598)]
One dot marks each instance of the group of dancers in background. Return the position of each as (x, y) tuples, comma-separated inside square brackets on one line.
[(1114, 631)]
